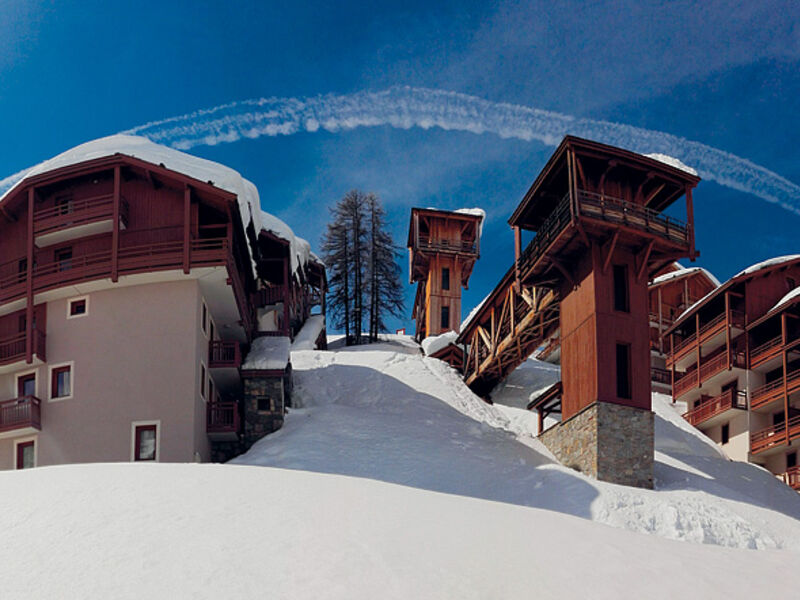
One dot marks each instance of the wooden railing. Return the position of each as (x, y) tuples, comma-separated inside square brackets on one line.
[(552, 226), (270, 295), (774, 390), (660, 375), (714, 406), (223, 354), (222, 417), (712, 326), (775, 435), (21, 413), (792, 477), (682, 347), (425, 243), (684, 384), (76, 212), (13, 348), (765, 351)]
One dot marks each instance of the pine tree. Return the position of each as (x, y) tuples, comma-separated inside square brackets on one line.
[(386, 290)]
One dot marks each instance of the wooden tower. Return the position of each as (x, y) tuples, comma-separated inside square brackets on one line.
[(443, 247), (600, 234)]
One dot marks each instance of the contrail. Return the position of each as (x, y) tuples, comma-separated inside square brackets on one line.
[(407, 107)]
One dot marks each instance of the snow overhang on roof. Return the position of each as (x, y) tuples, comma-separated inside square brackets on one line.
[(681, 273)]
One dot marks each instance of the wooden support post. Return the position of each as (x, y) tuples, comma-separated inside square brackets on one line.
[(645, 258), (728, 328), (611, 245), (697, 344), (784, 355), (517, 254), (187, 223), (690, 222), (29, 281), (115, 227), (286, 295)]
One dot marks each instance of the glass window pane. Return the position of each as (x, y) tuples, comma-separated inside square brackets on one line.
[(28, 457), (147, 444)]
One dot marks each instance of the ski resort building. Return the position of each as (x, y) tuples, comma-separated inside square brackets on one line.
[(596, 214), (442, 249), (734, 359), (147, 307)]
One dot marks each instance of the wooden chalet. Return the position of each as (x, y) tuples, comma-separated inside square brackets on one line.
[(442, 249), (131, 269)]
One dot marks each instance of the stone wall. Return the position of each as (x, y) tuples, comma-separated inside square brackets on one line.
[(265, 399), (609, 442)]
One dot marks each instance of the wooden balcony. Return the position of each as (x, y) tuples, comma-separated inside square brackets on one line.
[(224, 355), (775, 435), (709, 367), (77, 218), (13, 348), (662, 376), (731, 399), (20, 416), (684, 384), (223, 421), (270, 295), (792, 478), (426, 244), (775, 390), (707, 331), (766, 351)]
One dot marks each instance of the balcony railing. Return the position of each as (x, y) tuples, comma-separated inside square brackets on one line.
[(682, 347), (222, 354), (792, 477), (712, 407), (765, 351), (222, 418), (13, 348), (774, 390), (660, 375), (775, 435), (426, 243), (21, 413), (77, 212), (270, 295), (684, 384), (707, 330)]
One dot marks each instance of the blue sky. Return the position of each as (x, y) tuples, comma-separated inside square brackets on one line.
[(720, 73)]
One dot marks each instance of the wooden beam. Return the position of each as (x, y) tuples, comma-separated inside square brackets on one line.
[(558, 265), (645, 258), (582, 234), (115, 226), (187, 222), (611, 244), (690, 224), (653, 194)]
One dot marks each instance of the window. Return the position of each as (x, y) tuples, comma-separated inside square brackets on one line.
[(202, 380), (61, 382), (621, 296), (445, 317), (445, 278), (791, 460), (63, 205), (145, 441), (77, 307), (63, 257), (204, 318), (26, 385), (624, 371), (22, 270), (726, 433), (25, 452), (265, 404), (21, 323)]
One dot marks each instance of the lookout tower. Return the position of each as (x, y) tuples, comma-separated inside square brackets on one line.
[(442, 249), (600, 234)]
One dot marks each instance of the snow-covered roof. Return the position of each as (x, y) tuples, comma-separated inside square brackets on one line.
[(770, 262), (465, 323), (476, 212), (267, 353), (308, 334), (198, 168), (432, 344), (672, 162), (683, 272)]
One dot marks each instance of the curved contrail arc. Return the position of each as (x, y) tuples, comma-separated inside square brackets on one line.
[(407, 107)]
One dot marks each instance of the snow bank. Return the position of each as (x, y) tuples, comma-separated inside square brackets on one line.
[(672, 162), (267, 353), (432, 344), (306, 338)]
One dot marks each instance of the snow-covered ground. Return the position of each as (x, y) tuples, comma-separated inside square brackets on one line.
[(389, 480)]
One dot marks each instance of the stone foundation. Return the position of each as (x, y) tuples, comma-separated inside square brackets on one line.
[(609, 442), (265, 399)]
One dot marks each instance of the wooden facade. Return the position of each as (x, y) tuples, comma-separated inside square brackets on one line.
[(735, 362), (443, 247), (113, 221)]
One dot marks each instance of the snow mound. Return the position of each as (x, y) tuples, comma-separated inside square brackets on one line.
[(672, 162), (386, 412), (432, 344), (306, 338), (267, 353)]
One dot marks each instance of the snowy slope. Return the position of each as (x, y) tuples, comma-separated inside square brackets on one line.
[(386, 412)]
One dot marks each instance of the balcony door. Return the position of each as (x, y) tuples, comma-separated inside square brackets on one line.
[(26, 385)]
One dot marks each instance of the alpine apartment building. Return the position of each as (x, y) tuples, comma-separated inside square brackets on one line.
[(147, 307)]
